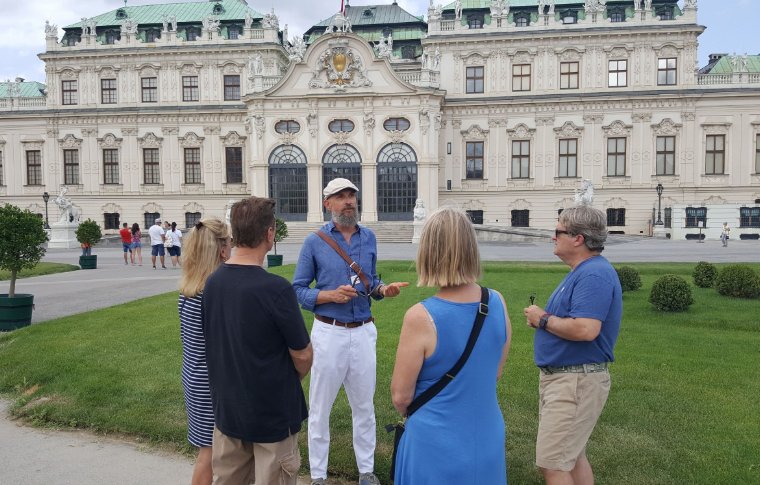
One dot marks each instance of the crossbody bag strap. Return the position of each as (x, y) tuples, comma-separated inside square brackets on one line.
[(351, 263), (444, 381)]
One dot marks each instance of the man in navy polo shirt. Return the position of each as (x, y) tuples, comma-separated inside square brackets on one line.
[(573, 346)]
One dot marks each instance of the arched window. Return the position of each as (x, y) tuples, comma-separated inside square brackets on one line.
[(522, 19), (396, 124), (475, 21), (337, 126), (288, 184), (396, 182), (342, 161), (287, 126)]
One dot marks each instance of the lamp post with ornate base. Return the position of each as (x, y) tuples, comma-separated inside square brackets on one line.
[(659, 227), (46, 198)]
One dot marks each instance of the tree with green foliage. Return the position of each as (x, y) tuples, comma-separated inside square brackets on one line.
[(21, 241), (280, 232), (89, 233)]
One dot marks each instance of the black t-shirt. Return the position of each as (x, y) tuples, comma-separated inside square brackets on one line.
[(251, 318)]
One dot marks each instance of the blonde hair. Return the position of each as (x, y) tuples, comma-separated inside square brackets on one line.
[(201, 254), (448, 254)]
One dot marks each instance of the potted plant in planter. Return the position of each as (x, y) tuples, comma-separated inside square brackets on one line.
[(21, 247), (280, 233), (88, 234)]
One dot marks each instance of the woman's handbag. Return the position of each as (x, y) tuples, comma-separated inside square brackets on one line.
[(431, 391), (168, 240)]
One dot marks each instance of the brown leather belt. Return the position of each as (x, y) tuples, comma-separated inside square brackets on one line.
[(333, 321)]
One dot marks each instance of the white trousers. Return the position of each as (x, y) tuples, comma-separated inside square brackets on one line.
[(342, 357)]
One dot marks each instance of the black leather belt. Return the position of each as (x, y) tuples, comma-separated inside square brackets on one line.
[(333, 321)]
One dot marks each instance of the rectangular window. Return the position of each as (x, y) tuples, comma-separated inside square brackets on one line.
[(476, 217), (521, 159), (71, 167), (233, 33), (521, 77), (192, 165), (520, 218), (151, 167), (110, 166), (152, 35), (616, 157), (33, 167), (666, 155), (749, 217), (69, 94), (190, 88), (231, 88), (695, 215), (111, 220), (666, 72), (757, 153), (569, 75), (112, 36), (475, 80), (474, 159), (715, 154), (668, 217), (192, 218), (615, 217), (150, 219), (568, 157), (618, 74), (1, 169), (108, 91), (234, 156), (192, 34), (149, 89)]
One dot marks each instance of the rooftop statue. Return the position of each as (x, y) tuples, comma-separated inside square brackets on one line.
[(51, 30), (129, 26), (270, 21), (339, 23), (595, 6), (458, 10), (248, 19), (385, 47), (297, 49)]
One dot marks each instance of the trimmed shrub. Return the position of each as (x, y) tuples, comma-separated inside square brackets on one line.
[(704, 274), (629, 278), (739, 281), (671, 293)]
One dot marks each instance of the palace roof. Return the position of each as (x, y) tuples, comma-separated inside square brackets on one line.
[(23, 89)]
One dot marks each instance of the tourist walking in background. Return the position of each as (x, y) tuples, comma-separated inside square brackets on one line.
[(724, 234), (126, 243), (157, 236), (573, 346), (257, 350), (136, 244), (208, 246), (341, 258), (175, 250), (455, 435)]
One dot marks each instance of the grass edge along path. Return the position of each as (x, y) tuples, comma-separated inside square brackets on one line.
[(683, 407), (42, 268)]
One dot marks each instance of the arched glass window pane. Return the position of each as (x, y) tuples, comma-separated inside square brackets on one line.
[(288, 184), (396, 124), (396, 182), (337, 126), (287, 126), (342, 161)]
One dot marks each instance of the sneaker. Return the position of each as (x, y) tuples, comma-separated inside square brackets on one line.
[(368, 479), (318, 481)]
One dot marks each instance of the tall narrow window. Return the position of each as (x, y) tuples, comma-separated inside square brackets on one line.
[(474, 159), (151, 167), (757, 153), (190, 88), (666, 155), (569, 75), (618, 74), (521, 77), (192, 33), (108, 91), (668, 217), (568, 157), (475, 80), (111, 220), (233, 33), (616, 157), (522, 19), (112, 36), (149, 89), (192, 218), (152, 35), (149, 219), (695, 216), (69, 92), (1, 169), (666, 72), (33, 167), (520, 159), (615, 217), (110, 166), (234, 156), (71, 167), (715, 154), (232, 88), (192, 165), (520, 218), (475, 21)]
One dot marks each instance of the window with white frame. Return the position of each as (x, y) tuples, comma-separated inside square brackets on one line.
[(69, 92), (192, 218), (151, 166), (757, 153), (666, 155), (475, 79), (71, 167), (474, 159), (111, 220), (149, 87), (616, 149), (192, 165), (33, 167), (234, 164), (615, 217), (618, 73), (108, 91), (696, 217), (521, 77), (520, 218), (1, 168), (667, 71), (569, 75), (110, 166), (232, 88), (715, 154), (190, 88), (520, 159), (568, 157)]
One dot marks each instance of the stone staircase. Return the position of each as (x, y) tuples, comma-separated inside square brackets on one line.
[(386, 232)]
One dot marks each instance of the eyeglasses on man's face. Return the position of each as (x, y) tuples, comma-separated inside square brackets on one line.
[(558, 232)]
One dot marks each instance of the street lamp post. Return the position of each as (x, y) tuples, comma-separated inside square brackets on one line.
[(46, 198), (659, 204)]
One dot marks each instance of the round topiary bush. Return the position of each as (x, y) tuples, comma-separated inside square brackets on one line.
[(629, 278), (704, 274), (739, 281), (671, 293)]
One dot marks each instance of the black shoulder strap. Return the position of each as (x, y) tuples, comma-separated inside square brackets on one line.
[(449, 376)]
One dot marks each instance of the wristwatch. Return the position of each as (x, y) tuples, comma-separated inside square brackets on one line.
[(544, 320)]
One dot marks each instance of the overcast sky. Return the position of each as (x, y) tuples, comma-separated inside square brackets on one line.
[(731, 24)]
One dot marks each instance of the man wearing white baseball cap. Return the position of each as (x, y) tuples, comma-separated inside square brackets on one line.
[(341, 258)]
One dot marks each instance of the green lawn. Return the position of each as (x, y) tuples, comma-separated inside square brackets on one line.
[(683, 407), (39, 270)]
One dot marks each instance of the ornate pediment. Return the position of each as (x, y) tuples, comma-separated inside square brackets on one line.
[(152, 207), (474, 132), (232, 139), (618, 53), (339, 67), (716, 128), (193, 207), (109, 141), (189, 69), (569, 54), (714, 200), (191, 140), (341, 137), (666, 127), (111, 208), (569, 130), (616, 203), (617, 128), (70, 142), (521, 205), (150, 141), (521, 132)]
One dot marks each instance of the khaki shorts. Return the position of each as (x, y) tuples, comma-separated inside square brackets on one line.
[(569, 406), (237, 462)]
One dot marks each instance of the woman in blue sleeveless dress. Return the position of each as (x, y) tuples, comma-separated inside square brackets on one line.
[(458, 436)]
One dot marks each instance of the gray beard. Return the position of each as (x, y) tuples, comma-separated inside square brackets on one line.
[(346, 220)]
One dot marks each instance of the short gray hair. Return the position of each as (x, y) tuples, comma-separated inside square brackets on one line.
[(587, 221)]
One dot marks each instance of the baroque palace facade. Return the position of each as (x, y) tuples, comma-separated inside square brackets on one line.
[(500, 107)]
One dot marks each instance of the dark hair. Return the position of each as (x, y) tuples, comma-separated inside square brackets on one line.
[(251, 218), (174, 226), (124, 225), (135, 228)]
